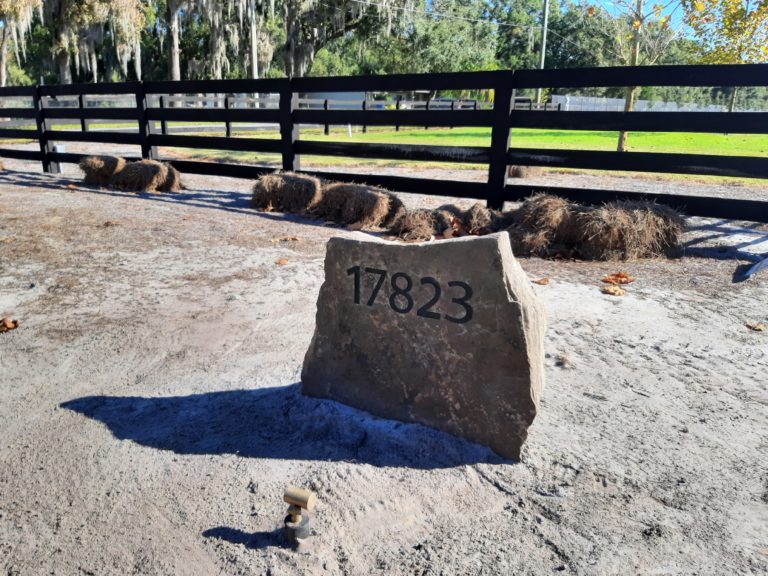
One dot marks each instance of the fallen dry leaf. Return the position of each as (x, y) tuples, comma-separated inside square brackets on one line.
[(71, 185), (757, 326), (459, 228), (7, 324), (613, 290), (281, 261), (619, 278), (542, 281)]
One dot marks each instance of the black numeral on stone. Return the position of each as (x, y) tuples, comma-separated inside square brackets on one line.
[(382, 275), (424, 310), (400, 299), (398, 292), (356, 271), (463, 302)]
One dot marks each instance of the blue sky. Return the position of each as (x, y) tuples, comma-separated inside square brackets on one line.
[(674, 8)]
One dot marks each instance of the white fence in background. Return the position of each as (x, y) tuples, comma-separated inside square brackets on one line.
[(599, 104)]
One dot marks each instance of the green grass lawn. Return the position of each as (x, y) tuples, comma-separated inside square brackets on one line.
[(727, 144), (663, 142), (691, 143)]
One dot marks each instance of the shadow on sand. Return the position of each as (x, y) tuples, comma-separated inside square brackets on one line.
[(251, 540), (276, 423), (229, 201)]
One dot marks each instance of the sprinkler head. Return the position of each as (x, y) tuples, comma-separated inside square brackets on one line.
[(296, 523)]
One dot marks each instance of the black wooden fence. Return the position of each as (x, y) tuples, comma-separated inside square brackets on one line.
[(502, 118)]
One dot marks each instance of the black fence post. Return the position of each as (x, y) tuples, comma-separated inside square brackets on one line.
[(147, 150), (426, 108), (289, 132), (228, 123), (397, 107), (365, 107), (326, 129), (163, 123), (84, 123), (45, 146), (497, 167)]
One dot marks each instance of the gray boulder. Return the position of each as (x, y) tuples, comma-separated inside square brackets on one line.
[(449, 334)]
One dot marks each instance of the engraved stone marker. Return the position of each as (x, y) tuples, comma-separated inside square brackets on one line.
[(448, 334)]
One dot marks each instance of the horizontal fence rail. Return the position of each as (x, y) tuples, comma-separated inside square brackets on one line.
[(45, 114)]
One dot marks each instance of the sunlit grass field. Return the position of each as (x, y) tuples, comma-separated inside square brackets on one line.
[(661, 142), (690, 143), (666, 142)]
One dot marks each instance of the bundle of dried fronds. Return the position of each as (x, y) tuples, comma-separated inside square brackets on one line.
[(359, 205), (481, 220), (172, 182), (542, 225), (544, 212), (527, 242), (506, 219), (449, 221), (287, 192), (396, 213), (525, 171), (141, 176), (627, 230), (99, 170), (421, 224), (546, 225)]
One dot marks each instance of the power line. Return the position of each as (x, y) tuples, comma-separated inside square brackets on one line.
[(568, 40), (436, 14)]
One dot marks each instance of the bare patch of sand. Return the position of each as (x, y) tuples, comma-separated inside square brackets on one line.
[(150, 417)]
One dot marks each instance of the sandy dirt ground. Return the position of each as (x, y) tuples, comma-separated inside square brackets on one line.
[(150, 415)]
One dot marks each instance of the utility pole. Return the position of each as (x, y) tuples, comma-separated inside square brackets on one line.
[(543, 44)]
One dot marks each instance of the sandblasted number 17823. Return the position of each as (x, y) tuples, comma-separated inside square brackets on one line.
[(401, 300)]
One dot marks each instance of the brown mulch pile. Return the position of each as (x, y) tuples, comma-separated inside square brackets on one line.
[(141, 176)]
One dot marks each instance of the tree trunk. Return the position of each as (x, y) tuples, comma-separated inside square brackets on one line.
[(174, 48), (630, 97), (291, 37), (255, 52), (731, 102), (62, 59), (4, 58), (62, 64), (631, 93), (305, 59), (254, 48), (137, 59), (94, 65)]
